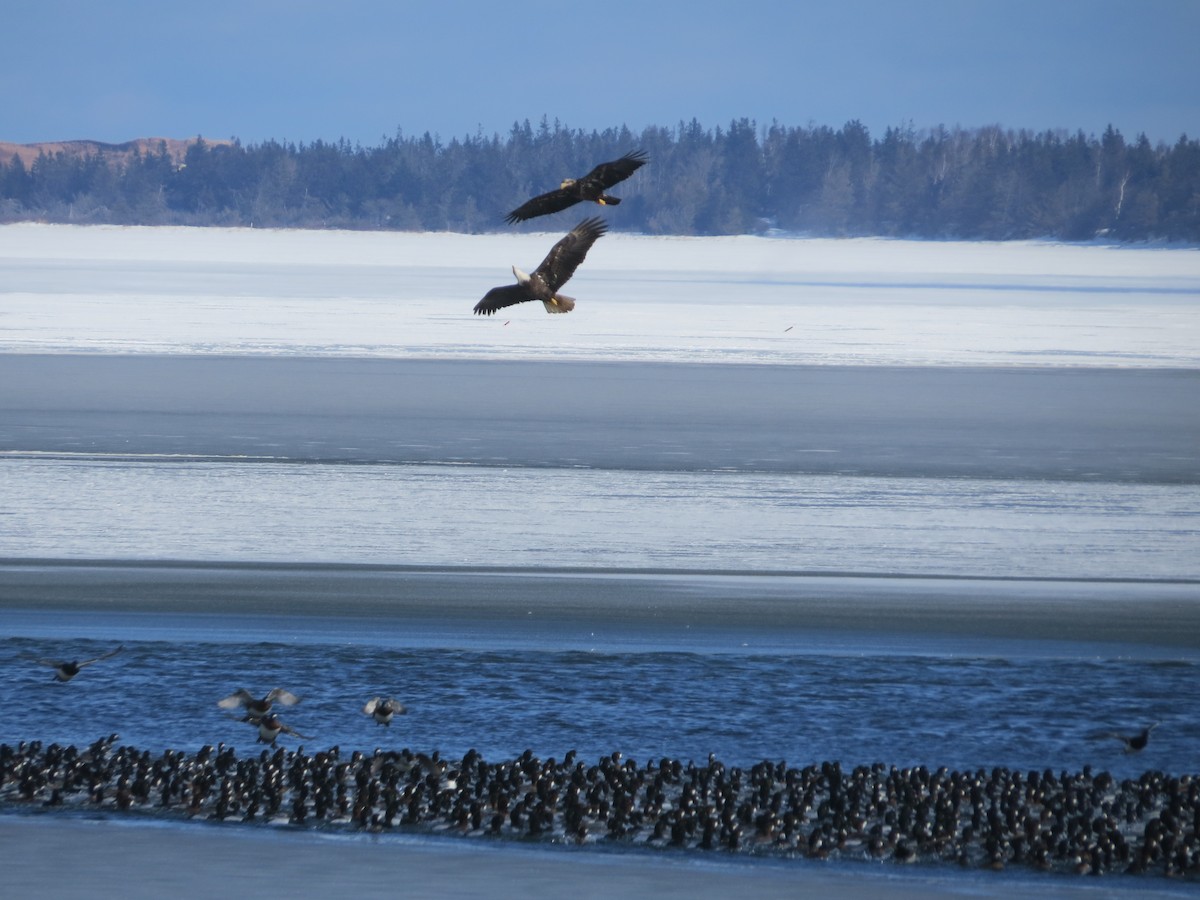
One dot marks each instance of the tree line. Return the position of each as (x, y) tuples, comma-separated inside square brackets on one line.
[(943, 183)]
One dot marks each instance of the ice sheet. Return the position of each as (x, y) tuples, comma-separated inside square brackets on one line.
[(66, 289)]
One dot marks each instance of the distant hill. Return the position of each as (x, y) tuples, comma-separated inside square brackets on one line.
[(176, 149)]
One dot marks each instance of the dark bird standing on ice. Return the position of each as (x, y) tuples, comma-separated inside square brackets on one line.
[(65, 670), (556, 269), (591, 186)]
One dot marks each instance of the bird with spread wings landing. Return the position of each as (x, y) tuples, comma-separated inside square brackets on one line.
[(270, 727), (555, 271), (383, 710), (591, 187), (258, 708), (1134, 743), (66, 669)]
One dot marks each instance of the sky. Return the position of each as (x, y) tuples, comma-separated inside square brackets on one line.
[(365, 70)]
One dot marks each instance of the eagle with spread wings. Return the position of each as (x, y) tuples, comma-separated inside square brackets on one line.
[(555, 271), (591, 186)]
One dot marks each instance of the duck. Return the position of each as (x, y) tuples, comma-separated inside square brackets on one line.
[(270, 727), (1135, 743), (256, 708), (65, 670), (382, 710)]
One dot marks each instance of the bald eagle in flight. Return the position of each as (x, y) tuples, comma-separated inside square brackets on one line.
[(555, 271), (590, 187)]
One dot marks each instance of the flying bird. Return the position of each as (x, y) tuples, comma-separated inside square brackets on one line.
[(1135, 743), (255, 708), (555, 271), (270, 727), (65, 670), (591, 186), (382, 710)]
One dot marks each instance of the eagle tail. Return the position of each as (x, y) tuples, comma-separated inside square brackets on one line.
[(559, 303), (608, 200)]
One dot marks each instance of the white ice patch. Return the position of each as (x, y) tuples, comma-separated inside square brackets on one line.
[(108, 289)]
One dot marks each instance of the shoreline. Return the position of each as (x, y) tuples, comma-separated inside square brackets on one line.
[(313, 865)]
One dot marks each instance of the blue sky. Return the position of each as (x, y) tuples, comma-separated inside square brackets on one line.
[(301, 71)]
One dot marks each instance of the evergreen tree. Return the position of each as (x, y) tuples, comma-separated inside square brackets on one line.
[(986, 183)]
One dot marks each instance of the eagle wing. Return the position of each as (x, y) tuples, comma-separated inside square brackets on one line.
[(565, 256), (607, 174), (543, 205), (500, 297)]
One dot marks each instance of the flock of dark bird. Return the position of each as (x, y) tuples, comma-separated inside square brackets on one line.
[(1082, 822), (566, 255)]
